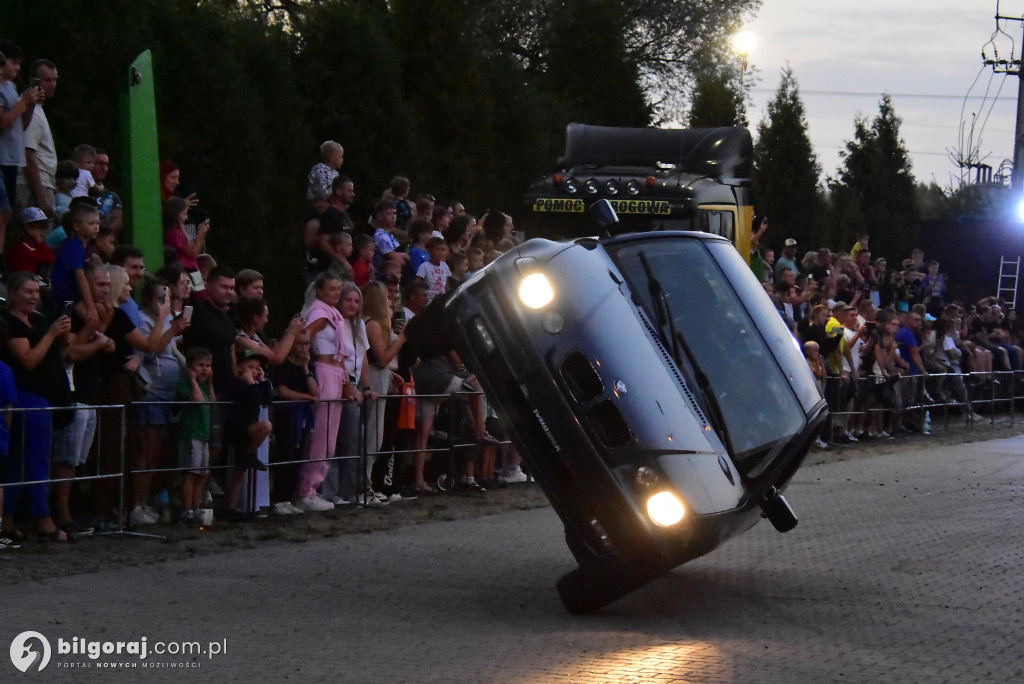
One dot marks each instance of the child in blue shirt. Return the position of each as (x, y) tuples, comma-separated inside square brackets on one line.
[(69, 282)]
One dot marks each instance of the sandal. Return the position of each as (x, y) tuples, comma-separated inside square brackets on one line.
[(55, 536)]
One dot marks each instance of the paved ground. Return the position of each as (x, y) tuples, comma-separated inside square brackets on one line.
[(905, 567)]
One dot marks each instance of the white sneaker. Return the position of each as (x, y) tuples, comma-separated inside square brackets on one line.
[(394, 497), (293, 508), (339, 501), (513, 476), (283, 508), (140, 516), (314, 504), (373, 499), (850, 436), (820, 444)]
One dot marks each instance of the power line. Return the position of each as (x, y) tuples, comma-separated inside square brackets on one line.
[(851, 93)]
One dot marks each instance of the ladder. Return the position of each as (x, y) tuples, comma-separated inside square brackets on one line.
[(1009, 269)]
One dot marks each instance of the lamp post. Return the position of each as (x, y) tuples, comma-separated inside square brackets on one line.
[(743, 43)]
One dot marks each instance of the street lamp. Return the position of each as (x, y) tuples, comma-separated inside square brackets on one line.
[(744, 42)]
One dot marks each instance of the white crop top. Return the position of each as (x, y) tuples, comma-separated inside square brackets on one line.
[(324, 342)]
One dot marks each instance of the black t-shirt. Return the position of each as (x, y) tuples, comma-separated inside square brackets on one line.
[(333, 221), (48, 378), (819, 272), (214, 329), (292, 376), (118, 330), (89, 373), (429, 333), (245, 409)]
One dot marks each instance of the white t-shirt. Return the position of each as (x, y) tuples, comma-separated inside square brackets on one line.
[(85, 181), (436, 277), (39, 139), (854, 350)]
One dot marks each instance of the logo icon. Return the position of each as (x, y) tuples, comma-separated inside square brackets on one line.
[(25, 657)]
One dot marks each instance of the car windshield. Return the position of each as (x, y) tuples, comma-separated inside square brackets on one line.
[(719, 348)]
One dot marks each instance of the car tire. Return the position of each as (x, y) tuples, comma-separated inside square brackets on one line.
[(584, 592)]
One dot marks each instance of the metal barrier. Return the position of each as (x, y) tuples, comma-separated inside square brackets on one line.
[(918, 396), (994, 392), (27, 450)]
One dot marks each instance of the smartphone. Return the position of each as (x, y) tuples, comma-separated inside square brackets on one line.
[(398, 318), (68, 308), (36, 83), (187, 313)]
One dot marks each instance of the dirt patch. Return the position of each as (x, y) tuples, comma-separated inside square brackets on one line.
[(37, 560)]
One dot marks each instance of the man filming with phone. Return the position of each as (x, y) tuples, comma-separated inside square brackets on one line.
[(37, 183)]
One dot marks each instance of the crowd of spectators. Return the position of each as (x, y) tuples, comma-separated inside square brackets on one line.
[(321, 413), (213, 398), (875, 336)]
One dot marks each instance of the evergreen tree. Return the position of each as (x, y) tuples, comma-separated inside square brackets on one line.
[(719, 95), (875, 190), (787, 170)]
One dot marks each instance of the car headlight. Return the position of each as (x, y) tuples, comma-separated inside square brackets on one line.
[(591, 186), (535, 291), (665, 509), (570, 185), (633, 187), (611, 187)]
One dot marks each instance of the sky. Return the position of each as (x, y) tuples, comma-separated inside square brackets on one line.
[(925, 53)]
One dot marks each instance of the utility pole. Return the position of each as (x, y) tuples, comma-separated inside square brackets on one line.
[(1013, 67)]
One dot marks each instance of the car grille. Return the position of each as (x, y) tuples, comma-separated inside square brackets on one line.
[(608, 425), (581, 378)]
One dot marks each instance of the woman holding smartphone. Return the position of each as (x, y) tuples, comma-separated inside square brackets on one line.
[(162, 368), (34, 350), (179, 286), (386, 338)]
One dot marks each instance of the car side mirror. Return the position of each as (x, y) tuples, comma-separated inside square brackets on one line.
[(602, 215)]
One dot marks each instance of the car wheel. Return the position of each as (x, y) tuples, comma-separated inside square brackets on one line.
[(584, 592)]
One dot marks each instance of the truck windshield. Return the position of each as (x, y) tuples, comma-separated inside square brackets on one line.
[(754, 398)]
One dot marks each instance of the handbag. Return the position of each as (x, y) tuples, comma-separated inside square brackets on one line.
[(407, 408)]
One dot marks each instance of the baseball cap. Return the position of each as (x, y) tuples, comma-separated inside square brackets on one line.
[(841, 306), (32, 215), (790, 242)]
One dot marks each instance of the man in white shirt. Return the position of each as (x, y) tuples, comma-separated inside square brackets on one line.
[(36, 182)]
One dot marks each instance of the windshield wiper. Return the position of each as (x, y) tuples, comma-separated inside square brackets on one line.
[(661, 309), (709, 395), (663, 312)]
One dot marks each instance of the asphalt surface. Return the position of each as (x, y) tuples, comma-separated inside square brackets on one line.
[(904, 567)]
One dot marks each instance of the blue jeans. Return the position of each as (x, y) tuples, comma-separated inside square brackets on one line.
[(31, 442)]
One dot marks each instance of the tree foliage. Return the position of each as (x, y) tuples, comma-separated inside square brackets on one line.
[(787, 169), (469, 99), (875, 190)]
